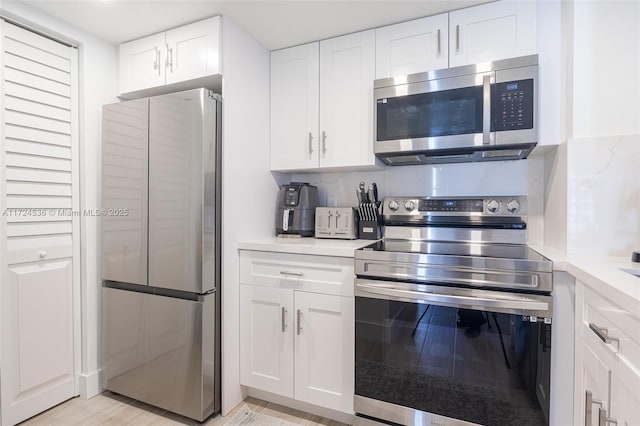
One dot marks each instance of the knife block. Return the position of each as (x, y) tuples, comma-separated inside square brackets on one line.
[(369, 222)]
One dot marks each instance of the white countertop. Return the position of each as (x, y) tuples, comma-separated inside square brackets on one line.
[(306, 245), (603, 274)]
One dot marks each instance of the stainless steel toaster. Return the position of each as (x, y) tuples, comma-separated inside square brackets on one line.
[(336, 222)]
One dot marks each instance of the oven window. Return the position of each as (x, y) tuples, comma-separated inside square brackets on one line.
[(442, 113), (481, 367)]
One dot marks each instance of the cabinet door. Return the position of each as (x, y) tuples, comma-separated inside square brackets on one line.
[(347, 69), (414, 46), (324, 360), (266, 339), (294, 108), (499, 30), (625, 396), (193, 51), (142, 63), (595, 379), (37, 339)]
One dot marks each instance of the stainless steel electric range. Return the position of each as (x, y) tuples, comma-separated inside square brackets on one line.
[(453, 316)]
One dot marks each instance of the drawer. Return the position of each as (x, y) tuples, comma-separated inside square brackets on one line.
[(317, 274), (602, 318)]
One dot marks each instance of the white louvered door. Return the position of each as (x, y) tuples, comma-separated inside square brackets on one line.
[(39, 226)]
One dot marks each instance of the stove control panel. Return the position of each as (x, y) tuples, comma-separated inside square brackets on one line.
[(462, 206)]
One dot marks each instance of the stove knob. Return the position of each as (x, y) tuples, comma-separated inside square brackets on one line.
[(513, 206), (393, 205), (493, 206), (409, 205)]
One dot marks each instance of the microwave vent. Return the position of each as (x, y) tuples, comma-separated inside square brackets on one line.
[(503, 154)]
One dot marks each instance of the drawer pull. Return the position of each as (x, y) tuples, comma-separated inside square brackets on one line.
[(292, 274), (603, 334), (588, 409), (42, 254)]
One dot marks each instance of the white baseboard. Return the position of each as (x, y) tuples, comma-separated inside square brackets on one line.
[(302, 406), (90, 385)]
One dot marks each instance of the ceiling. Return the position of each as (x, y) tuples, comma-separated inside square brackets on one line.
[(275, 24)]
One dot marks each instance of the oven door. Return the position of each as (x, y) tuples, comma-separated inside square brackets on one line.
[(451, 356)]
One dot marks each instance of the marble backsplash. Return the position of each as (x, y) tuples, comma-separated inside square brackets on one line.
[(447, 180), (498, 178), (603, 196)]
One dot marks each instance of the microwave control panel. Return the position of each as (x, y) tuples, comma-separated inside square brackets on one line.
[(513, 105)]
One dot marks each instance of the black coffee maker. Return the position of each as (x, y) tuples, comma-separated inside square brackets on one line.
[(296, 209)]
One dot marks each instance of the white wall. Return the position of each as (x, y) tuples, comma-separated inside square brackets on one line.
[(606, 68), (593, 208), (97, 75), (249, 189)]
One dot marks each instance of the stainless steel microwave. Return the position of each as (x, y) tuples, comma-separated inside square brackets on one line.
[(479, 112)]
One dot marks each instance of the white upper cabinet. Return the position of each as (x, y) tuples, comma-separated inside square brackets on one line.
[(142, 63), (321, 104), (346, 92), (414, 46), (178, 55), (193, 51), (295, 79), (488, 32)]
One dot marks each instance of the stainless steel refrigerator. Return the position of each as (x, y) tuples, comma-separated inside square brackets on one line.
[(160, 244)]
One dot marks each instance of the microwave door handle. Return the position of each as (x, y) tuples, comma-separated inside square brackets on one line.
[(486, 109)]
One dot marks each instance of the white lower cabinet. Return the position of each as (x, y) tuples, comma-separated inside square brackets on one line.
[(296, 343), (607, 360), (324, 350), (266, 339)]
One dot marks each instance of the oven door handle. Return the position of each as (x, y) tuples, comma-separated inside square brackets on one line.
[(390, 291)]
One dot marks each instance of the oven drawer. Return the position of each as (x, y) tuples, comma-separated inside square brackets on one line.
[(615, 328), (319, 274)]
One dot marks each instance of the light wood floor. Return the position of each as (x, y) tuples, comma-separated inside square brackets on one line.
[(112, 409)]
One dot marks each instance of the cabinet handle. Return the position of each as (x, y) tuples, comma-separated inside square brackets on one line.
[(457, 38), (169, 61), (310, 143), (284, 325), (298, 316), (588, 409), (439, 48), (156, 62), (603, 334), (604, 420), (324, 142), (293, 274), (42, 254)]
